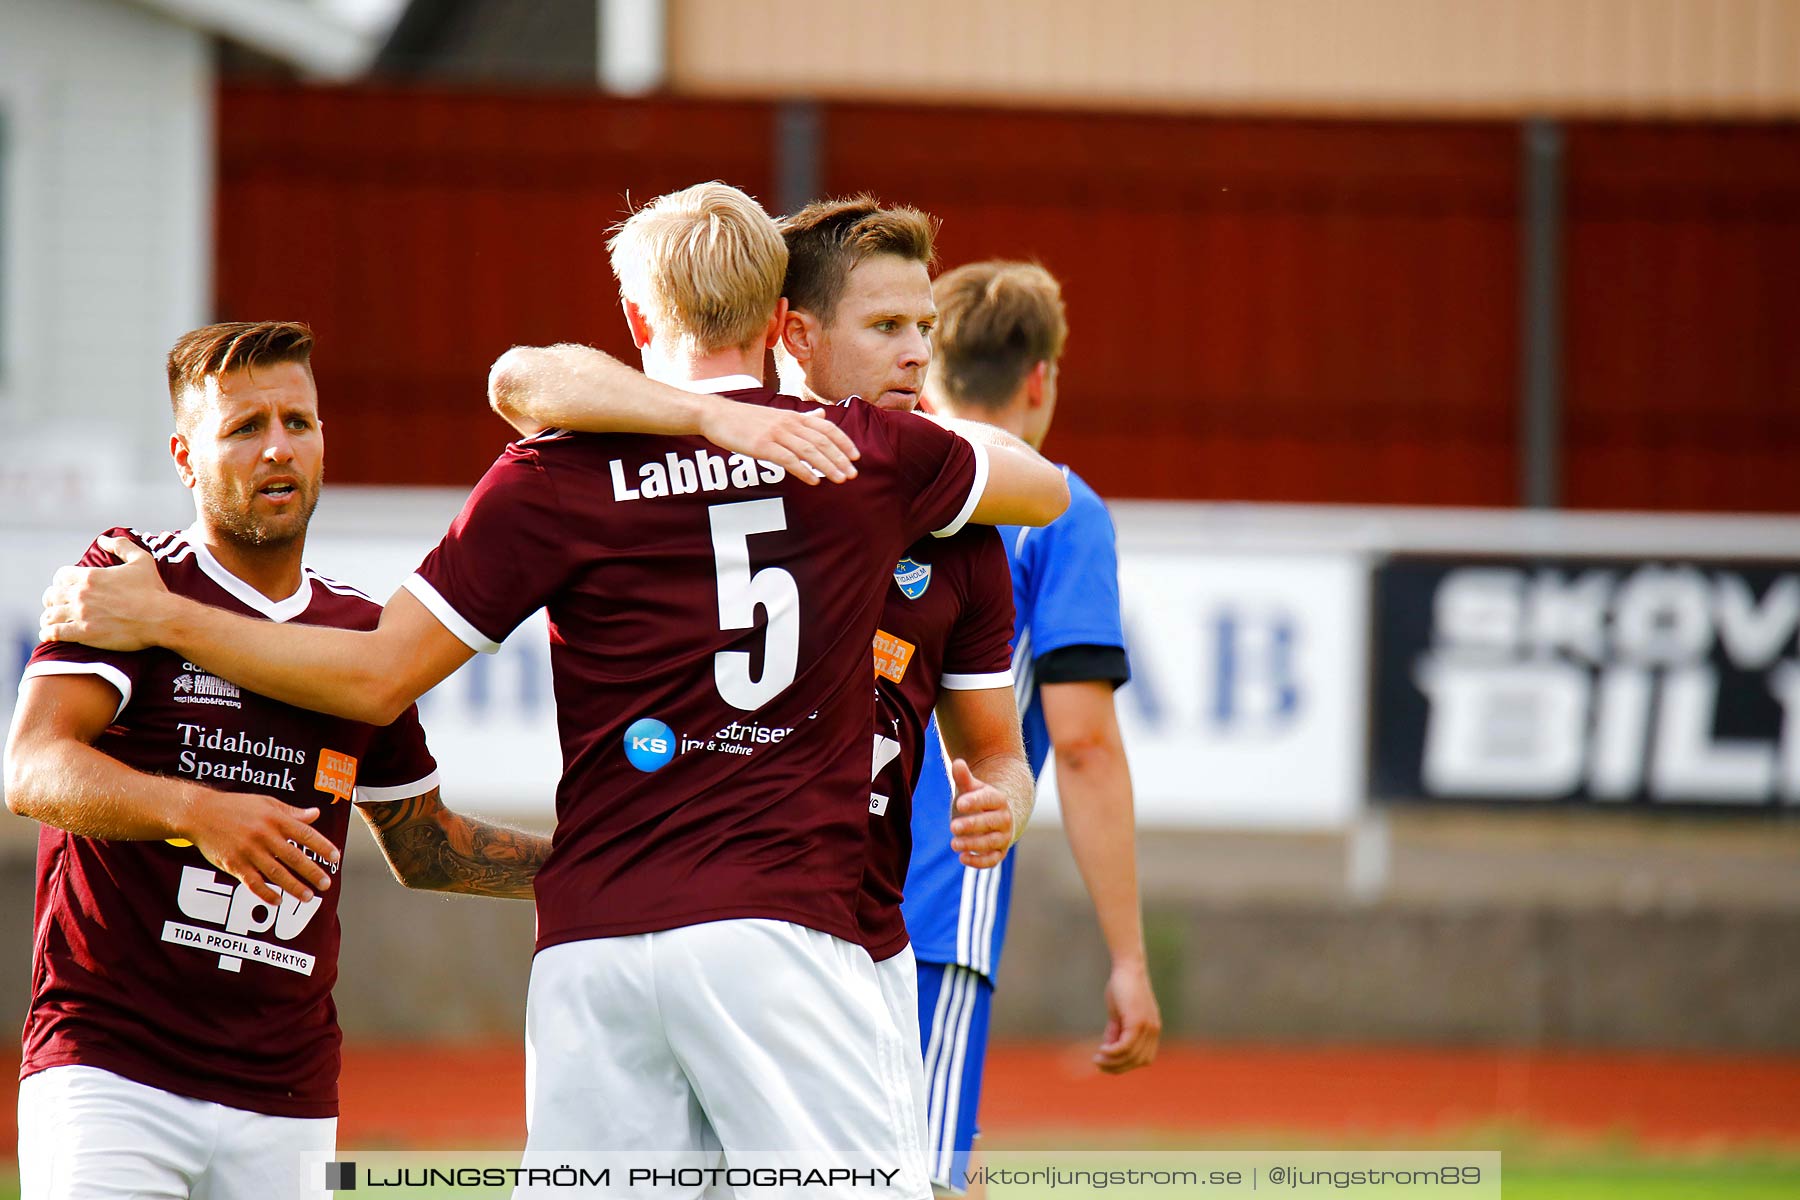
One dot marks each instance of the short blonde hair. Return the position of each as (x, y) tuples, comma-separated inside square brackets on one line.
[(996, 321), (705, 264)]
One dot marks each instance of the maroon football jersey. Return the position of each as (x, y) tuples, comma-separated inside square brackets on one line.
[(149, 962), (710, 622), (947, 625)]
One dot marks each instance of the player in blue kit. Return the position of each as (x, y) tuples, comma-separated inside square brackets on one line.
[(1000, 332)]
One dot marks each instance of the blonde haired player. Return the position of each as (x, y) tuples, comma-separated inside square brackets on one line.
[(699, 272), (858, 323), (698, 994)]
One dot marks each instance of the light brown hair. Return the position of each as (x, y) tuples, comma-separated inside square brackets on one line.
[(212, 350), (704, 264), (996, 321), (829, 237)]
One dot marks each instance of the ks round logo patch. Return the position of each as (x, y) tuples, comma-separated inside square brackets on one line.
[(649, 744)]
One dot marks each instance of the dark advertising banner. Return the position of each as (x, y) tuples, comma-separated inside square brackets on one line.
[(1600, 682)]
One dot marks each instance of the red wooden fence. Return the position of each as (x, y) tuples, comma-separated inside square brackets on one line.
[(1260, 309), (423, 233), (1683, 317)]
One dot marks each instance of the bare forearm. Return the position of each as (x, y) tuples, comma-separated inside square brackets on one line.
[(982, 432), (1022, 489), (73, 786), (55, 774), (431, 848), (342, 672), (472, 857), (577, 387), (1094, 787)]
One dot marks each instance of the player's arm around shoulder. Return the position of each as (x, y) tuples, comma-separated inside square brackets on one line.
[(994, 790), (432, 848), (363, 675), (56, 776), (1023, 487), (534, 388)]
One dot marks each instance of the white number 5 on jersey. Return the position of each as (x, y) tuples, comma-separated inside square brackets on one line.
[(740, 592)]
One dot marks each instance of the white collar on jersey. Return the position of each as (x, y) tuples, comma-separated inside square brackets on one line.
[(723, 383), (275, 610)]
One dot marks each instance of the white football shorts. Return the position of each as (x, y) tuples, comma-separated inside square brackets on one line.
[(729, 1045), (88, 1134), (899, 978)]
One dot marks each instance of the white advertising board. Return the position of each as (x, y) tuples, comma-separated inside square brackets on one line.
[(1246, 700)]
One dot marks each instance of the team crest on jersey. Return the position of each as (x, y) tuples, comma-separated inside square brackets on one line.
[(912, 577)]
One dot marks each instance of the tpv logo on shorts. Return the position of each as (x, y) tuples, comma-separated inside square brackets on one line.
[(912, 577), (649, 744)]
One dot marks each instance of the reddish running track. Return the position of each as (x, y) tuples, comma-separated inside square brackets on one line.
[(1659, 1099), (472, 1095)]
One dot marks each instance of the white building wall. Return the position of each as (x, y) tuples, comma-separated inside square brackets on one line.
[(107, 253)]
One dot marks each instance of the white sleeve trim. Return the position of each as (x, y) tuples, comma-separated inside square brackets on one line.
[(452, 620), (105, 671), (405, 791), (976, 490), (976, 683)]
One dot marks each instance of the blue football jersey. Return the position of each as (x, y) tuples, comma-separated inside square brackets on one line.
[(1065, 593)]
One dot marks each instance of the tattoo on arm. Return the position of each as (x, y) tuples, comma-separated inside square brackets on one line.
[(430, 847)]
